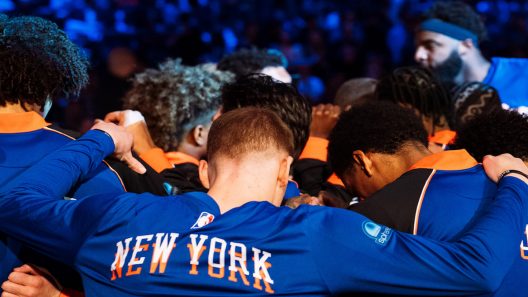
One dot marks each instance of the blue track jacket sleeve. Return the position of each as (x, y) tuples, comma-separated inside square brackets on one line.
[(353, 252), (33, 209)]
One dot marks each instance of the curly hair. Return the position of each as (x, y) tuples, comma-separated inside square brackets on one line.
[(473, 99), (460, 14), (38, 62), (259, 90), (253, 60), (418, 88), (175, 98), (500, 131), (376, 127)]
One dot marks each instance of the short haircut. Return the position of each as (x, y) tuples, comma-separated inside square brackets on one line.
[(460, 14), (259, 90), (253, 60), (473, 99), (246, 130), (38, 62), (376, 127), (416, 87), (175, 98), (356, 90), (495, 133)]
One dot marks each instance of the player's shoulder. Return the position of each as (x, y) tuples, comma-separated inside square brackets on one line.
[(59, 131)]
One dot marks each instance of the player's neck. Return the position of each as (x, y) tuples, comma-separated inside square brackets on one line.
[(236, 183), (18, 108), (411, 153), (476, 68)]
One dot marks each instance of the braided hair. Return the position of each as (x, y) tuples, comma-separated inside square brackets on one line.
[(473, 99), (418, 88)]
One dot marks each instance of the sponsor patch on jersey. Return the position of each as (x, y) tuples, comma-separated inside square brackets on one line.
[(379, 233), (204, 219)]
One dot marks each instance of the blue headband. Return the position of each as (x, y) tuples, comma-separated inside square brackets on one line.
[(448, 29)]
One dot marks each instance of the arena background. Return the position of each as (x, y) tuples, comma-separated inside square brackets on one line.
[(325, 42)]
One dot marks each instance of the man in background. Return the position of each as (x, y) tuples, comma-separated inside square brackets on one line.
[(448, 41)]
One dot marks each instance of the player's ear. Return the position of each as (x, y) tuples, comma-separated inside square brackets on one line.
[(364, 162), (284, 171), (199, 134), (465, 46), (203, 173)]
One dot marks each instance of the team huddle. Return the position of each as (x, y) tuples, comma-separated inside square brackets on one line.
[(222, 179)]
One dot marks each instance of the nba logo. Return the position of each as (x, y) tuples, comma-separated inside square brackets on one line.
[(204, 219)]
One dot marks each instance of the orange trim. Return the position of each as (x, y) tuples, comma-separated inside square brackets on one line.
[(419, 206), (117, 174), (333, 179), (20, 122), (443, 137), (447, 160), (59, 132), (315, 149), (176, 158), (108, 165), (156, 159)]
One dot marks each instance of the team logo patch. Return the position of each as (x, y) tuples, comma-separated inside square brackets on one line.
[(379, 233), (204, 219)]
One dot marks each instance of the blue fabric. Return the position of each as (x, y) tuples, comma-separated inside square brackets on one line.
[(292, 190), (453, 201), (308, 251), (510, 77), (19, 151), (448, 29)]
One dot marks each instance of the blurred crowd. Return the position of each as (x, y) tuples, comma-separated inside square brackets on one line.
[(325, 42)]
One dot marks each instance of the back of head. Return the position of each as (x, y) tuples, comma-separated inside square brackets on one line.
[(376, 127), (248, 130), (38, 62), (474, 99), (416, 87), (253, 60), (500, 131), (356, 90), (460, 14), (260, 90), (175, 98)]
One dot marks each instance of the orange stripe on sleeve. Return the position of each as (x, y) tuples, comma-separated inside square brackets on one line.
[(315, 149), (333, 179), (156, 159), (419, 206)]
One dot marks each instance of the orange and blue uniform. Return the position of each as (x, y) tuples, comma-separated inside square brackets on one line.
[(26, 138), (440, 197), (144, 245)]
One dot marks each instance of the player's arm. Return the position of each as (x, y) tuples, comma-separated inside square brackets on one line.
[(354, 254), (32, 209)]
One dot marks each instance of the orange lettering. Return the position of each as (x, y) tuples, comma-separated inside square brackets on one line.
[(194, 270)]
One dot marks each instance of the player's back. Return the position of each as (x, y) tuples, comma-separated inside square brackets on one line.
[(183, 246), (441, 198), (25, 138), (452, 202)]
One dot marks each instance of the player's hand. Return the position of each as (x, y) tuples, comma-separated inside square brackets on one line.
[(295, 202), (496, 165), (134, 123), (324, 118), (123, 142), (124, 118), (29, 281)]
